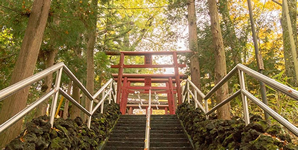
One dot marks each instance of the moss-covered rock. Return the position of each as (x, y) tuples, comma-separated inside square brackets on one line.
[(231, 134), (66, 134)]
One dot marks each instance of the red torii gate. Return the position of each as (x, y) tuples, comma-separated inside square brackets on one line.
[(124, 80)]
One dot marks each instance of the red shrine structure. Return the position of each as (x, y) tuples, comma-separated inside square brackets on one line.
[(172, 81)]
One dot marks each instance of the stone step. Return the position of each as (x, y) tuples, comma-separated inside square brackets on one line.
[(129, 128), (167, 131), (127, 131), (131, 122), (169, 144), (163, 116), (165, 121), (130, 125), (132, 116), (129, 135), (167, 135), (171, 148), (169, 139), (127, 139), (123, 148), (126, 143), (165, 125), (166, 128)]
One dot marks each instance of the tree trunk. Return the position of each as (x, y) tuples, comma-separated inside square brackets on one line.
[(50, 60), (66, 103), (220, 61), (193, 45), (24, 67), (290, 71), (90, 53), (75, 111)]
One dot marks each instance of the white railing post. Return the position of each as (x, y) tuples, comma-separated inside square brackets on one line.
[(244, 97), (147, 131), (188, 100), (54, 101), (102, 104), (183, 95), (90, 117), (196, 98), (115, 94), (110, 94)]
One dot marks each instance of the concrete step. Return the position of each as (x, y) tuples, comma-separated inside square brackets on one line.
[(167, 131), (171, 148), (163, 116), (122, 148), (129, 135), (169, 144), (163, 135), (126, 143), (129, 128), (169, 139), (127, 139), (166, 128)]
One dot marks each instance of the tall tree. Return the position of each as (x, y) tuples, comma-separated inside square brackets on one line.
[(290, 71), (220, 60), (193, 44), (90, 51), (25, 66)]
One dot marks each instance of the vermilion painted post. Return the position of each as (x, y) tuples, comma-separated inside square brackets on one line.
[(130, 111), (120, 73), (177, 77), (166, 110), (124, 96), (172, 96)]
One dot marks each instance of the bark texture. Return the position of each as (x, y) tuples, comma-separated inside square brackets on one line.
[(220, 60), (193, 45), (290, 71), (24, 67), (66, 104), (75, 111), (50, 60), (90, 53)]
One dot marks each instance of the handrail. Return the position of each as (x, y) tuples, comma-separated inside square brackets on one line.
[(109, 87), (4, 93), (147, 131), (241, 69)]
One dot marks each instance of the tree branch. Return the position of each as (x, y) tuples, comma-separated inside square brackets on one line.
[(277, 2)]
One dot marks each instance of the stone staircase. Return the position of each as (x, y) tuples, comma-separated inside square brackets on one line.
[(166, 133)]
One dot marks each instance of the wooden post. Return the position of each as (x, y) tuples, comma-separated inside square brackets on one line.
[(177, 77), (120, 73), (130, 112), (172, 107)]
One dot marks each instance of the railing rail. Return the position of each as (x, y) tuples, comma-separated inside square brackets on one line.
[(241, 69), (106, 90), (147, 130)]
